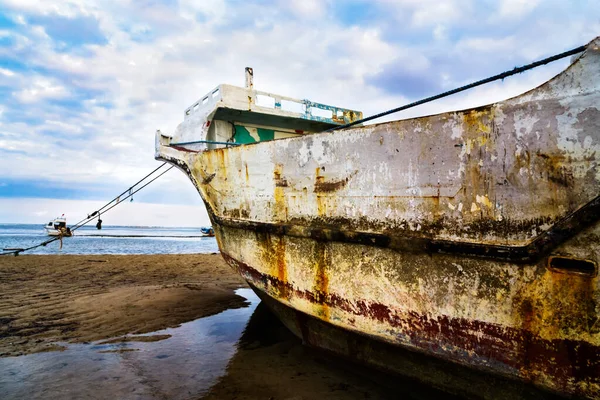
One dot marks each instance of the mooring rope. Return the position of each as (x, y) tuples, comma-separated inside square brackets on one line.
[(516, 70), (130, 194), (117, 198), (93, 215)]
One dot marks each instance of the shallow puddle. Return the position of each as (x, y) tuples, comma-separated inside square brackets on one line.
[(243, 353), (184, 365)]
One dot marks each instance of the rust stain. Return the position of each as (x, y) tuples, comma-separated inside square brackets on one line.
[(277, 177), (273, 250), (572, 304), (186, 150), (555, 168), (282, 267), (322, 186), (478, 121), (280, 209), (207, 178), (245, 212), (558, 304), (321, 285), (220, 157), (234, 213), (321, 205), (247, 175)]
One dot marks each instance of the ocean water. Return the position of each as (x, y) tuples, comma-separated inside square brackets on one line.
[(109, 240)]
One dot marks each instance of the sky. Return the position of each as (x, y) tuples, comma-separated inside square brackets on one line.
[(84, 85)]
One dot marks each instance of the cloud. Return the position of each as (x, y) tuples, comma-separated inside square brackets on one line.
[(63, 126), (68, 32), (6, 72), (41, 89), (432, 13), (308, 8), (68, 8), (410, 75), (517, 8), (411, 84), (482, 45)]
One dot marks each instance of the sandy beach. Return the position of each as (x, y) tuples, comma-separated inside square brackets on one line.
[(68, 298)]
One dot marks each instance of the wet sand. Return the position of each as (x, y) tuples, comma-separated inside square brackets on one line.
[(66, 298)]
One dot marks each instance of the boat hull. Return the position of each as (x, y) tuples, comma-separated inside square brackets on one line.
[(396, 298), (54, 232), (471, 236)]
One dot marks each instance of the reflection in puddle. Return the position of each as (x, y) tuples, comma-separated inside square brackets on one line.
[(271, 363), (184, 365)]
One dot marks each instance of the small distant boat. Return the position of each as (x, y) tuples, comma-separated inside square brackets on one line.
[(207, 231), (58, 226)]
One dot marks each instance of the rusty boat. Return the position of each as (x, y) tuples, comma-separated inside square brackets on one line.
[(471, 236)]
